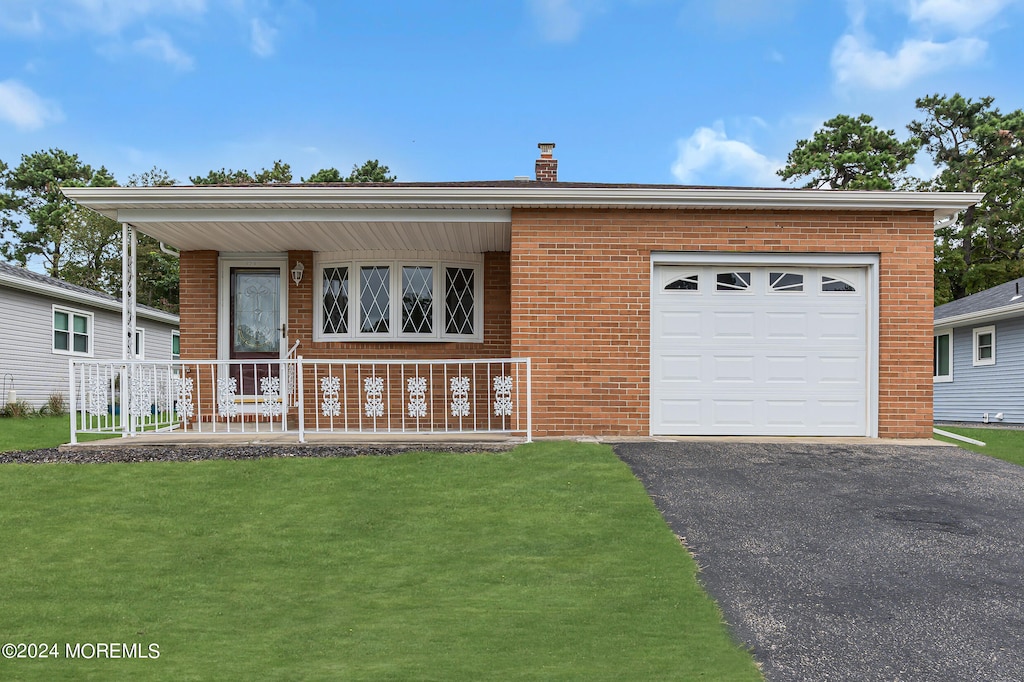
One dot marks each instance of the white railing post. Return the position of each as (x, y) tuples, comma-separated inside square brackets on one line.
[(71, 402), (301, 401), (529, 401)]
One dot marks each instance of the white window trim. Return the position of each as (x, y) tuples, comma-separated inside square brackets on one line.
[(140, 343), (396, 260), (976, 332), (938, 379), (175, 334), (90, 334)]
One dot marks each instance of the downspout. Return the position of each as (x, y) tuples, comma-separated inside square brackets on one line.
[(169, 251)]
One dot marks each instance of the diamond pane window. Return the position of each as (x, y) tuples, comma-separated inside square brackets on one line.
[(786, 281), (417, 299), (335, 301), (459, 300), (733, 281), (374, 299), (688, 283)]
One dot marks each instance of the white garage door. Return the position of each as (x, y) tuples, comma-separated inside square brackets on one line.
[(761, 350)]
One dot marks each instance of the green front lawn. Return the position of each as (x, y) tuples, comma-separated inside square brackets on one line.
[(1007, 444), (548, 562), (34, 433)]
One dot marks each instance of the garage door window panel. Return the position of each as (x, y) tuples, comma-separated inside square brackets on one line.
[(733, 281), (685, 283), (785, 282), (836, 285)]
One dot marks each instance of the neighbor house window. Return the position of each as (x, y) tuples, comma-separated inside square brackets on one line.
[(943, 353), (410, 300), (175, 345), (984, 346), (72, 331), (140, 343)]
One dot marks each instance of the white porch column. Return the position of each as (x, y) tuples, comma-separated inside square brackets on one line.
[(128, 272)]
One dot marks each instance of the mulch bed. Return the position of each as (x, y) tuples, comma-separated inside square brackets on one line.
[(170, 453)]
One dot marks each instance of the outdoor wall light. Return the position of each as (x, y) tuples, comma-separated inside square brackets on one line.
[(297, 272)]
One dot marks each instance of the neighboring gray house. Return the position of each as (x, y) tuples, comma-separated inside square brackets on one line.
[(979, 357), (48, 321)]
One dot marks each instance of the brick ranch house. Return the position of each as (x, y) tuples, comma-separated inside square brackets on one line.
[(643, 309)]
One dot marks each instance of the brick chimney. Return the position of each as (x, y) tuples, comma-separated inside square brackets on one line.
[(547, 165)]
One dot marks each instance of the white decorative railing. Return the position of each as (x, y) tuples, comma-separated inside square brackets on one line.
[(296, 395)]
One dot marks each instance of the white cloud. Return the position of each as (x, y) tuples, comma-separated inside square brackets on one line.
[(560, 21), (159, 45), (962, 16), (24, 108), (856, 63), (111, 16), (263, 37), (708, 156), (22, 22)]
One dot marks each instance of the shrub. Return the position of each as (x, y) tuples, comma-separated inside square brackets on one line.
[(18, 409), (56, 405)]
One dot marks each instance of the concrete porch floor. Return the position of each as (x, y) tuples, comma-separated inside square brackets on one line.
[(221, 439)]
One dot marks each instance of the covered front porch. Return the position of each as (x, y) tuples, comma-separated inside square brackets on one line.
[(315, 310)]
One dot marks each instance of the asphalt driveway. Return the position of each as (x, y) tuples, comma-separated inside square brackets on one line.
[(853, 562)]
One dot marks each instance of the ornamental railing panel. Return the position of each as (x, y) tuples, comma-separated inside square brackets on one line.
[(299, 396)]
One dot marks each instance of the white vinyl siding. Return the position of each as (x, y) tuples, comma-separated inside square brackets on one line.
[(26, 343), (979, 389)]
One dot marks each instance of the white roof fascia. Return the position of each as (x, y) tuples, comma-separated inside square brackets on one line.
[(980, 316), (82, 298), (109, 200)]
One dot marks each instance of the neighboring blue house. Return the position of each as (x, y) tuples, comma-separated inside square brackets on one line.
[(979, 357)]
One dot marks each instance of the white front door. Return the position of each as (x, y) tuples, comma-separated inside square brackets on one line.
[(759, 350)]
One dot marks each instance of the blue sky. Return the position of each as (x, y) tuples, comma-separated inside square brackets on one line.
[(654, 91)]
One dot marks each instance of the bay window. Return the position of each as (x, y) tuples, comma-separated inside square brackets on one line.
[(411, 299)]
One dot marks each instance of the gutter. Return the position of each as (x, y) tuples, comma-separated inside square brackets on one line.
[(83, 298), (109, 200), (989, 315)]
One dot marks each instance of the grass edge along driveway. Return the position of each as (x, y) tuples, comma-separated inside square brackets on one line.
[(546, 562), (1003, 443)]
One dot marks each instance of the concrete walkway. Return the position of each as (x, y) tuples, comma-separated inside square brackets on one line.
[(853, 561)]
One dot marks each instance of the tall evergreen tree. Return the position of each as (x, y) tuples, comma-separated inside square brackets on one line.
[(976, 149), (850, 153)]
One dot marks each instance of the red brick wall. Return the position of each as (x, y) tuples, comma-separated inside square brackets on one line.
[(580, 285), (199, 316), (198, 305)]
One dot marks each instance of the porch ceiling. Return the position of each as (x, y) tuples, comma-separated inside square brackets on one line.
[(461, 217), (331, 235)]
